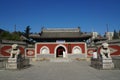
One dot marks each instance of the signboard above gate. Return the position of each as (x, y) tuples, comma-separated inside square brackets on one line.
[(60, 41)]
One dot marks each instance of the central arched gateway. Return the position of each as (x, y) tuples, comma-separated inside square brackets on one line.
[(59, 51)]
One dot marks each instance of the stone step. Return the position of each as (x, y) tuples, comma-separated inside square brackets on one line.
[(60, 60)]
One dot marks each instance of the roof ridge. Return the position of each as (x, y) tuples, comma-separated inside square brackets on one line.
[(61, 30)]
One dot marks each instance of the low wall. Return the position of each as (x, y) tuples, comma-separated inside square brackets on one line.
[(114, 46), (6, 46)]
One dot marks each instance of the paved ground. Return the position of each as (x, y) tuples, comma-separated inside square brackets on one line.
[(73, 70)]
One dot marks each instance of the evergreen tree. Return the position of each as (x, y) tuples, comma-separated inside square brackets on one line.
[(6, 35), (115, 36), (27, 32)]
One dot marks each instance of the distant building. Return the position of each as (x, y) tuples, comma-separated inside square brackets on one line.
[(96, 38), (94, 35), (109, 35)]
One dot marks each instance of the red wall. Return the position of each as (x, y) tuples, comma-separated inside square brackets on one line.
[(82, 46), (52, 47), (114, 49), (90, 52), (6, 49), (30, 52)]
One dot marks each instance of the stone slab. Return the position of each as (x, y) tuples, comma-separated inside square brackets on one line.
[(74, 56)]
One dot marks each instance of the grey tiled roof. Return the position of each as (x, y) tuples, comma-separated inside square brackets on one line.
[(61, 35)]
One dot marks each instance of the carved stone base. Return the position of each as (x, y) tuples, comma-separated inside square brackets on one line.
[(12, 60), (12, 63), (107, 64)]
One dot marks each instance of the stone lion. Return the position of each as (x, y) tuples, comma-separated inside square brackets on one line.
[(105, 51), (15, 51)]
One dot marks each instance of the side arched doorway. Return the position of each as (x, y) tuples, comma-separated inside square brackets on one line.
[(59, 51)]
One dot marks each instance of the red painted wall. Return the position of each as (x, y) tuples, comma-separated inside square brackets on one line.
[(30, 52), (114, 49), (52, 47), (6, 49), (82, 46), (90, 52)]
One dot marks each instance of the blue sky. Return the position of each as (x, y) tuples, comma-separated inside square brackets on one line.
[(90, 15)]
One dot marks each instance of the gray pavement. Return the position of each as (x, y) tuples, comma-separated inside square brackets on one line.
[(73, 70)]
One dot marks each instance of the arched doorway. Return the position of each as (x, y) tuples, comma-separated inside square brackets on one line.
[(59, 51)]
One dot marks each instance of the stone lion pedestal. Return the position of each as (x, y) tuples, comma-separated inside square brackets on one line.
[(13, 59), (104, 60), (12, 63), (107, 64), (105, 56)]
